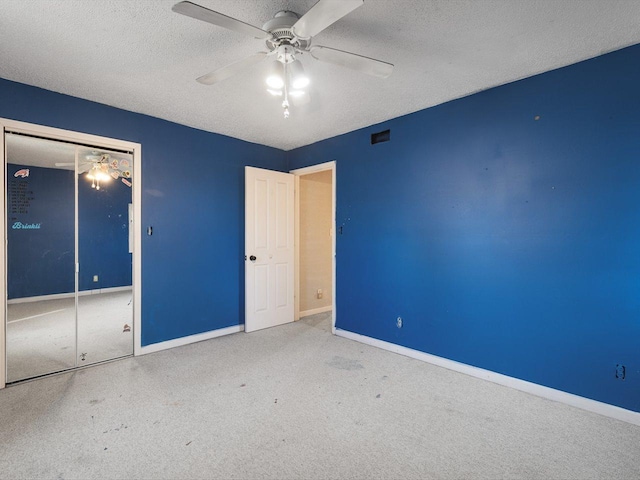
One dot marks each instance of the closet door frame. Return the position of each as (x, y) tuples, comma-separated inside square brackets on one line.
[(85, 139)]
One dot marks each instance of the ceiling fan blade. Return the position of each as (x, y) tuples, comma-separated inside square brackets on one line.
[(370, 66), (201, 13), (81, 168), (323, 14), (226, 72), (85, 168)]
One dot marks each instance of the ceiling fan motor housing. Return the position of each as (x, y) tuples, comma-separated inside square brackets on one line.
[(282, 34)]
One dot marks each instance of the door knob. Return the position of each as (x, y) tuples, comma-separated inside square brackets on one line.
[(252, 258)]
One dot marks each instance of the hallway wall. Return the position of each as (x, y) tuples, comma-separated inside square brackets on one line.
[(316, 243)]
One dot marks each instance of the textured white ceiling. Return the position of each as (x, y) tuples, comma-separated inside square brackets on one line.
[(38, 152), (140, 56)]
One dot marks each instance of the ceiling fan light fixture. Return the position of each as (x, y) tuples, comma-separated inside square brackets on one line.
[(299, 79), (98, 174), (275, 79), (296, 93), (275, 93)]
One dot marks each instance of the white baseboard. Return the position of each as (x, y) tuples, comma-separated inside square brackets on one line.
[(56, 296), (313, 311), (199, 337), (594, 406)]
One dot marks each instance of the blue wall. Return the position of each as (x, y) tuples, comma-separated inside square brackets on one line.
[(192, 195), (103, 234), (504, 242), (40, 260)]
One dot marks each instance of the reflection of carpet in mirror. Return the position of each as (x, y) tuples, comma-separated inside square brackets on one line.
[(41, 336)]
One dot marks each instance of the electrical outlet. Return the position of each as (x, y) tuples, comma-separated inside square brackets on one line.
[(399, 322), (621, 371), (319, 293), (95, 278)]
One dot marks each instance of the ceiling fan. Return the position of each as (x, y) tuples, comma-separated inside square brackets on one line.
[(101, 168), (286, 36)]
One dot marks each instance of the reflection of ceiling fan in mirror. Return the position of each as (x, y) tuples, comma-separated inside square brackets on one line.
[(288, 36), (102, 168)]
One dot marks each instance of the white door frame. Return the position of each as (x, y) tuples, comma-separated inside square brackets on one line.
[(93, 140), (298, 173)]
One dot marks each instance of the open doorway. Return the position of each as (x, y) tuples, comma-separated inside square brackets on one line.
[(315, 241)]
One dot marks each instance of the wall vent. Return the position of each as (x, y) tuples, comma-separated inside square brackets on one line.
[(380, 137)]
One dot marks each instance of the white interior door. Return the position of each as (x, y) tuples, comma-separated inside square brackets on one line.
[(269, 248)]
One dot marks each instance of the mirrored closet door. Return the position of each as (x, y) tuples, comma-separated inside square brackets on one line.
[(68, 256)]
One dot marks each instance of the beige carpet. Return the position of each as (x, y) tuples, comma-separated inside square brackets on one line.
[(295, 402), (41, 336)]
